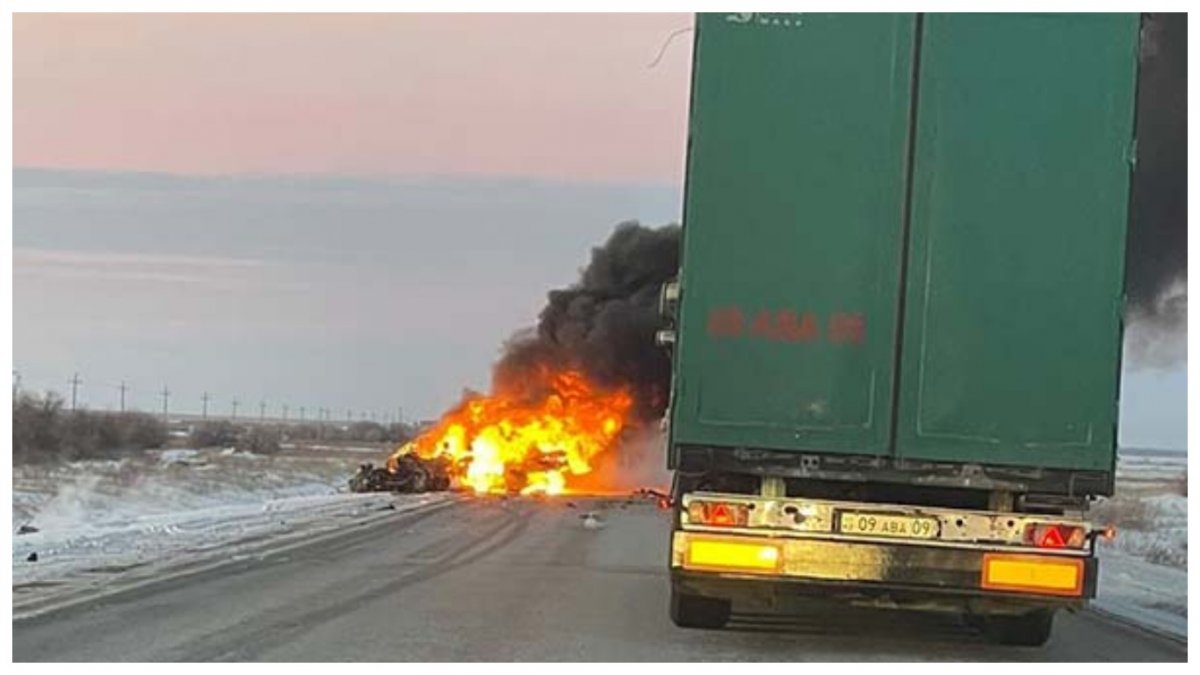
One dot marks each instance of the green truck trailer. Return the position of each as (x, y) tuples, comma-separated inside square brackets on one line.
[(896, 331)]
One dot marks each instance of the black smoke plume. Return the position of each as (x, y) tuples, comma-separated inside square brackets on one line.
[(605, 323), (1156, 268)]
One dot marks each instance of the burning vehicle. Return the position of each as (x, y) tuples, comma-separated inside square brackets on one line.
[(565, 394), (530, 436)]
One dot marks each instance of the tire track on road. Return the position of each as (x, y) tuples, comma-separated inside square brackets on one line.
[(222, 562), (247, 639)]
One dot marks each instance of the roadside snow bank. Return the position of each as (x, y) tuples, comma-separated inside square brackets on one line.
[(87, 523), (1143, 573), (97, 492), (1143, 592)]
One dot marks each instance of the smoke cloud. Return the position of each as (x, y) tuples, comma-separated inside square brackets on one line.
[(605, 323), (1156, 267)]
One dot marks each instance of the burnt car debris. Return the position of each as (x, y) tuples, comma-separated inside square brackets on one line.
[(407, 473)]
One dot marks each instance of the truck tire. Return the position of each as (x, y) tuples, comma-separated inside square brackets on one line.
[(695, 611), (1022, 630)]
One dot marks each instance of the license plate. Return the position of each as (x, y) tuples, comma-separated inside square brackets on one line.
[(888, 525)]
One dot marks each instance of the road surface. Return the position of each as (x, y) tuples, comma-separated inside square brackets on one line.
[(500, 580)]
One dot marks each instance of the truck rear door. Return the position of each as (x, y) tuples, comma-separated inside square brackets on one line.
[(1012, 335), (792, 231)]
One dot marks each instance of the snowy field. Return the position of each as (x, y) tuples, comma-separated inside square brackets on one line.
[(1143, 573), (83, 525)]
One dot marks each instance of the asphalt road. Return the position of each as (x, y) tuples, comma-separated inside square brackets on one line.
[(500, 580)]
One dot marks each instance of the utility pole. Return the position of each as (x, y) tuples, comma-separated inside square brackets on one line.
[(166, 396), (204, 406), (235, 402), (123, 387), (75, 382), (262, 410), (302, 414)]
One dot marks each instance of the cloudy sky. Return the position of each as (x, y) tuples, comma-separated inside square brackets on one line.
[(359, 209)]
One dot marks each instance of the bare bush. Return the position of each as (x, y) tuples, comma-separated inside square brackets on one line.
[(363, 432), (260, 440), (214, 434), (1162, 552), (1125, 513), (44, 432)]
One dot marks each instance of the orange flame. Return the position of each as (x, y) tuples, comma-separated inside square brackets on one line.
[(529, 441)]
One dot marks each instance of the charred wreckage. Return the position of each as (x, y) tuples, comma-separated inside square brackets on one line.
[(406, 473)]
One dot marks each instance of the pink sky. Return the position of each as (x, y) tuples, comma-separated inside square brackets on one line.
[(552, 96)]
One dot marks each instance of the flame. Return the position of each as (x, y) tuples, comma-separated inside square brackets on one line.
[(530, 441)]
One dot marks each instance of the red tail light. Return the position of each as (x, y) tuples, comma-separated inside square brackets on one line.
[(1048, 535), (1051, 538), (718, 514)]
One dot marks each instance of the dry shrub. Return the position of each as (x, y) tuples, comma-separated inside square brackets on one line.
[(1125, 513), (43, 431)]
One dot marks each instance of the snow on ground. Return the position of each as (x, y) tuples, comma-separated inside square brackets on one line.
[(368, 449), (1143, 592), (98, 493), (1140, 465), (1143, 573), (1149, 509), (98, 520)]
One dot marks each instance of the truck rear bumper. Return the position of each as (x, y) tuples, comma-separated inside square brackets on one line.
[(732, 566)]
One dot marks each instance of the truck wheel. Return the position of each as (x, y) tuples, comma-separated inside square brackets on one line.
[(695, 611), (1024, 630)]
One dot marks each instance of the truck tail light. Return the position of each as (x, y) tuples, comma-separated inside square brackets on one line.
[(1050, 535), (718, 514)]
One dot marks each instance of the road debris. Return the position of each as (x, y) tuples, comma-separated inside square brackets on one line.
[(661, 498)]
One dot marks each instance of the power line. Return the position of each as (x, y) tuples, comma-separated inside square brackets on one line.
[(166, 396), (75, 382)]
